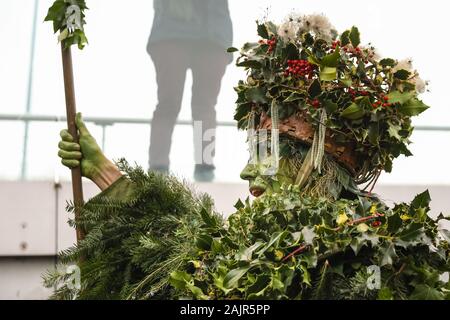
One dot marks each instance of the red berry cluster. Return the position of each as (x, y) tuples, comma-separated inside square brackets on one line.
[(299, 68), (384, 101), (354, 93), (335, 44), (272, 44)]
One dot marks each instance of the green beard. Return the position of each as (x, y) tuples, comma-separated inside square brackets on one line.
[(330, 183)]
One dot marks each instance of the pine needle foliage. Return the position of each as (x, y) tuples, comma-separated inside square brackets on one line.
[(166, 242)]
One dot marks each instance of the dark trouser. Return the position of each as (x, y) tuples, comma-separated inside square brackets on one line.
[(172, 59)]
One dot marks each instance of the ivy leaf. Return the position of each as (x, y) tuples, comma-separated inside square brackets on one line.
[(314, 89), (332, 59), (353, 112), (328, 73), (354, 37), (413, 107)]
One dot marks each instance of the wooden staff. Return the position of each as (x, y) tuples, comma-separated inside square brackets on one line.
[(71, 111)]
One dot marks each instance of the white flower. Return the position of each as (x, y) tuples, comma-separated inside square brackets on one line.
[(420, 84), (405, 64), (288, 30), (319, 25)]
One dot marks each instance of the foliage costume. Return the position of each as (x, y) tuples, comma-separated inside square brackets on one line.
[(337, 117)]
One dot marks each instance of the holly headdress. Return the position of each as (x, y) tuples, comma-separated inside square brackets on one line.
[(330, 92)]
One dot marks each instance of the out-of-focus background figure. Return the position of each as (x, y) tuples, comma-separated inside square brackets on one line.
[(188, 34)]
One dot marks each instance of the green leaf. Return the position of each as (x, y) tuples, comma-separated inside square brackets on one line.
[(385, 294), (232, 278), (314, 89), (402, 74), (232, 49), (258, 288), (330, 106), (239, 204), (328, 74), (345, 40), (400, 97), (387, 253), (394, 223), (425, 292), (332, 59), (250, 64), (262, 31), (256, 95), (245, 254), (413, 107), (179, 279), (422, 200), (387, 62), (354, 37), (197, 292), (353, 112), (412, 232), (204, 242), (208, 218)]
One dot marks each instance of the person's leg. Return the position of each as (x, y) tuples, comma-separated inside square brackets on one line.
[(170, 67), (208, 68)]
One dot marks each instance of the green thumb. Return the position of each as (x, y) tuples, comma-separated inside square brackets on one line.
[(80, 124)]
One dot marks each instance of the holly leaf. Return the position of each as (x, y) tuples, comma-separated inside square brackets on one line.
[(330, 106), (345, 40), (354, 37), (425, 292), (387, 62), (314, 89), (262, 31), (232, 278), (413, 107), (353, 112), (412, 232), (402, 74), (332, 59), (422, 200), (387, 252), (328, 73), (400, 97), (394, 223), (256, 95)]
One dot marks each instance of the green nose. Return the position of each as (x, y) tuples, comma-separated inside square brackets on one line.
[(250, 172)]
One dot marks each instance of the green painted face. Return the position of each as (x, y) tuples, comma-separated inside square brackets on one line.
[(260, 182)]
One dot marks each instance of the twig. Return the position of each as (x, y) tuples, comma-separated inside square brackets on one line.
[(296, 251)]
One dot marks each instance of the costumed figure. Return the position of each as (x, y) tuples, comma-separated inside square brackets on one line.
[(324, 116)]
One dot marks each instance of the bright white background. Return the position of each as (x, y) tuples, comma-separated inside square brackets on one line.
[(115, 78)]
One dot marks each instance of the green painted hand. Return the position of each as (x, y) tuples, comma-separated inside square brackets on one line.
[(94, 165)]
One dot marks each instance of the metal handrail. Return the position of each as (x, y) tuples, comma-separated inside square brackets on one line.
[(108, 121)]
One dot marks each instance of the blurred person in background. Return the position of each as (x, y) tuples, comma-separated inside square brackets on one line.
[(188, 34)]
